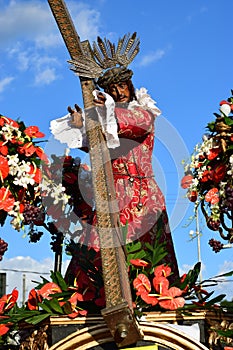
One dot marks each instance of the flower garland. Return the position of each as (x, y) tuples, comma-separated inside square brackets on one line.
[(23, 187), (208, 177)]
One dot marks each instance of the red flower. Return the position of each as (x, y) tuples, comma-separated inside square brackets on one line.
[(33, 299), (33, 132), (171, 300), (4, 168), (4, 329), (149, 299), (186, 181), (7, 301), (28, 149), (160, 284), (49, 288), (3, 148), (41, 154), (213, 153), (192, 196), (139, 262), (142, 284), (37, 173), (205, 176), (218, 173), (7, 200), (212, 196), (6, 120), (162, 270)]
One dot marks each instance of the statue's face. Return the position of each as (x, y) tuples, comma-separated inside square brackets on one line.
[(119, 92)]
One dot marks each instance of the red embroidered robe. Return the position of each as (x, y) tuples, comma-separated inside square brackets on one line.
[(141, 202)]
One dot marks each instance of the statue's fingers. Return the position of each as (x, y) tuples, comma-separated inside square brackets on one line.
[(70, 110), (78, 109)]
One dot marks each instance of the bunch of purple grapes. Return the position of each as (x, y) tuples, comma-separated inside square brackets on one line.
[(3, 248), (227, 202), (33, 214), (215, 245)]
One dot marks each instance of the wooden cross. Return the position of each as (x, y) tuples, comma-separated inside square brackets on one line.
[(118, 313)]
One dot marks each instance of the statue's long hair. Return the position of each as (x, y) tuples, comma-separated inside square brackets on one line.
[(130, 87)]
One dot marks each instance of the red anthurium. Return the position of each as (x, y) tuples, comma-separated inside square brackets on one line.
[(7, 200), (41, 154), (33, 299), (3, 148), (4, 168), (149, 299), (3, 329), (139, 262), (219, 172), (213, 153), (28, 149), (162, 270), (186, 181), (7, 301), (33, 131), (6, 120), (161, 284), (36, 172), (171, 300), (49, 288), (212, 196), (142, 283), (205, 176)]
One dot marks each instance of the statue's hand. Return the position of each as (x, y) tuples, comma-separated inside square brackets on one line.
[(99, 100), (76, 116)]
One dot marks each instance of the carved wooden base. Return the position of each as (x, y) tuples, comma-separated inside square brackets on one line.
[(62, 333)]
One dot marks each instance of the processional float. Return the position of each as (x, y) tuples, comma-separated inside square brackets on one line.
[(118, 313)]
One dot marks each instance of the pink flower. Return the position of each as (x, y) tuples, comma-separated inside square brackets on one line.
[(212, 196), (142, 283), (186, 181), (171, 300)]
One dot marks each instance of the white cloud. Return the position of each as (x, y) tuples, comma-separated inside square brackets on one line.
[(29, 35), (5, 82), (45, 77), (22, 271), (152, 57), (33, 21)]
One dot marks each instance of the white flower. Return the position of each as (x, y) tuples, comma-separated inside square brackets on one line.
[(225, 109)]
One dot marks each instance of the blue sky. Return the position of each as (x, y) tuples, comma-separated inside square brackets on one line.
[(184, 62)]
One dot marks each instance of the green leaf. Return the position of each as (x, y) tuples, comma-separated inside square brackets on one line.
[(45, 307), (54, 304), (215, 300), (228, 120), (37, 319), (59, 280), (138, 255)]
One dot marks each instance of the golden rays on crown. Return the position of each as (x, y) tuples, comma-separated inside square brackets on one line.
[(104, 55)]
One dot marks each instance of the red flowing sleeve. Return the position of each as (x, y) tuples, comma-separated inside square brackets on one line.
[(134, 123)]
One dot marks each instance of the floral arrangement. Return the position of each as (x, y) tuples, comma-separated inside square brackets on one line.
[(22, 186), (37, 193), (208, 177), (150, 285)]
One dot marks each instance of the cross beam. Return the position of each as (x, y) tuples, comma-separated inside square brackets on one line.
[(118, 313)]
